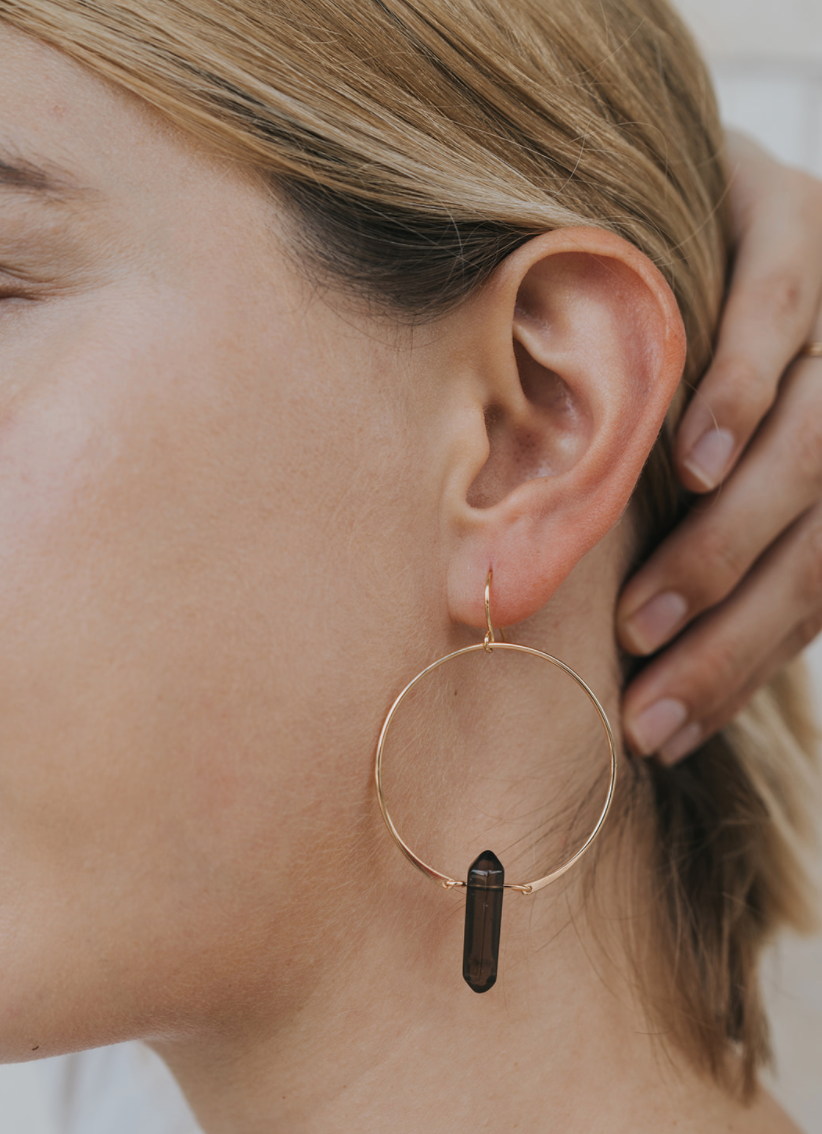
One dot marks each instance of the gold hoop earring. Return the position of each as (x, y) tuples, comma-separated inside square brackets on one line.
[(485, 883)]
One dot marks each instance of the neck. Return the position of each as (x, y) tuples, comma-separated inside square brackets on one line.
[(397, 1039), (388, 1035)]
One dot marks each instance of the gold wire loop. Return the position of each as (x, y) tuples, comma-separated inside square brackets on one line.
[(811, 350), (489, 636), (490, 645)]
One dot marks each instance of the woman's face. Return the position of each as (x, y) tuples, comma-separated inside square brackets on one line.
[(216, 500)]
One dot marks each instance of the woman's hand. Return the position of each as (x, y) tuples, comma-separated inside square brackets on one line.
[(740, 580)]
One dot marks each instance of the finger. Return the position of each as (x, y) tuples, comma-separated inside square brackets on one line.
[(701, 678), (705, 558), (773, 305), (690, 738)]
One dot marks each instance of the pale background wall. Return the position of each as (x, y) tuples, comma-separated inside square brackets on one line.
[(766, 56)]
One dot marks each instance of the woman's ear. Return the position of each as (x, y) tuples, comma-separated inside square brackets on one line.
[(570, 356)]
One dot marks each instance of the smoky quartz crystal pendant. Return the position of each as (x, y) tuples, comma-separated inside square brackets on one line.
[(483, 915)]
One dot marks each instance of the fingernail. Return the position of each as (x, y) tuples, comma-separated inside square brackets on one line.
[(654, 622), (680, 745), (657, 724), (709, 458)]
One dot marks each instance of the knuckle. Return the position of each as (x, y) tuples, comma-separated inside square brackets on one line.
[(786, 299), (806, 448), (746, 392), (720, 568), (810, 591), (719, 665)]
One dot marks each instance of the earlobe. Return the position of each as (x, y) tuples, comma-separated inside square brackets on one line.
[(577, 347)]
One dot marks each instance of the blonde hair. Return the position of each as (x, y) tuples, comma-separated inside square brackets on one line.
[(417, 143)]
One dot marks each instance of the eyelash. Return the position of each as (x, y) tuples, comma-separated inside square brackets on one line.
[(14, 293), (13, 286)]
